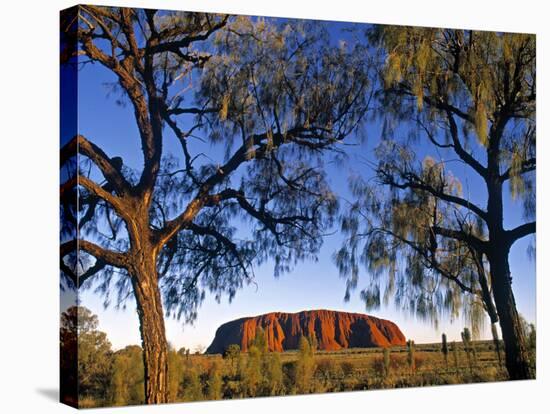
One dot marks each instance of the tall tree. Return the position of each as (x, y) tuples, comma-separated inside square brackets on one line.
[(461, 101), (85, 356), (94, 356), (127, 376), (273, 97), (68, 357), (305, 366)]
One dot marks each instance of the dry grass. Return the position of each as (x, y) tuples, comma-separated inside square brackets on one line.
[(352, 369)]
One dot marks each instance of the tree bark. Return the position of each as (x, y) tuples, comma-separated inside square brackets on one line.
[(151, 325), (517, 359)]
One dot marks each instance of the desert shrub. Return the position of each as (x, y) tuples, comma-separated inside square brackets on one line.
[(251, 376), (454, 348), (260, 340), (411, 356), (305, 366), (192, 385), (322, 375), (175, 375), (387, 362), (214, 382), (127, 383), (233, 353), (324, 368), (379, 366), (232, 388), (289, 377), (274, 374), (419, 362), (93, 356), (347, 368)]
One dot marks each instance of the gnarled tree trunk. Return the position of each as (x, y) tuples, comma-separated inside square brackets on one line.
[(151, 325), (517, 359)]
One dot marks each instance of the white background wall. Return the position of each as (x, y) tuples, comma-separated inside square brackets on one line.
[(29, 205)]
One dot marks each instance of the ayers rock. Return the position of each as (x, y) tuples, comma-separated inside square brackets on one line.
[(334, 330)]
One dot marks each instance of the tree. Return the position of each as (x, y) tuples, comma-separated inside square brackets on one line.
[(530, 333), (445, 350), (199, 349), (411, 360), (305, 366), (127, 376), (387, 362), (496, 342), (252, 377), (454, 348), (233, 352), (468, 97), (260, 340), (313, 341), (68, 357), (85, 356), (175, 372), (467, 341), (215, 382), (94, 355), (273, 97), (274, 374), (192, 385)]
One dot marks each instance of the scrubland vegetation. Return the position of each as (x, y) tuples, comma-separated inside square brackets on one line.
[(116, 378)]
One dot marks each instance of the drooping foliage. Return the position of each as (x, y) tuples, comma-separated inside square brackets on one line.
[(458, 114), (271, 98), (250, 104)]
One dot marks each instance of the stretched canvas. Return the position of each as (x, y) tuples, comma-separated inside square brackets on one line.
[(256, 206)]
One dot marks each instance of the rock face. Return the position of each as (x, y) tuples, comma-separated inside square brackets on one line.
[(334, 330)]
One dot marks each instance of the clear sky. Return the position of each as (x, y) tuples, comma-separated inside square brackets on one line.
[(312, 285)]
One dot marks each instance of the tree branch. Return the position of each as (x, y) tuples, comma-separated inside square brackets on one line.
[(414, 182), (459, 149), (521, 231), (228, 244), (176, 45), (476, 243), (527, 166), (405, 89), (118, 204), (193, 111), (432, 262), (112, 258), (110, 168), (103, 258)]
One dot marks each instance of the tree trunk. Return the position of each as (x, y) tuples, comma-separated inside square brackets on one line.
[(153, 335), (496, 341), (517, 359)]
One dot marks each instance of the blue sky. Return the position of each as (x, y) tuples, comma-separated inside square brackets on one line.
[(311, 285)]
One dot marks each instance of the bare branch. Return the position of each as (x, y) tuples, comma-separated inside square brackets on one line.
[(103, 258), (176, 45), (459, 149), (521, 231), (118, 204), (470, 239), (110, 170)]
